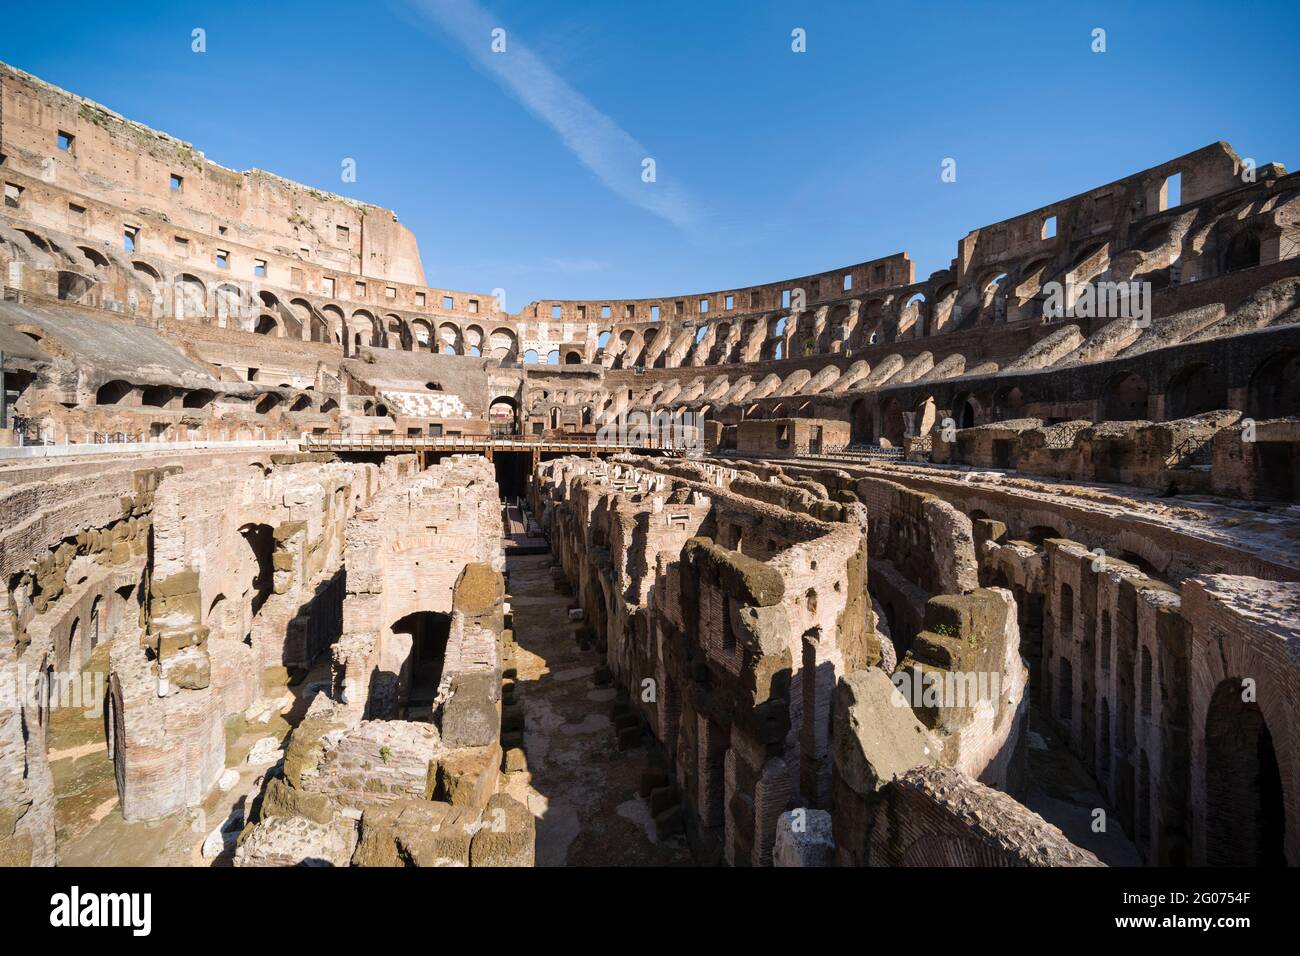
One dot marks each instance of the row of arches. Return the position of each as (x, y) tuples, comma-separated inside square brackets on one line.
[(1107, 688), (123, 392)]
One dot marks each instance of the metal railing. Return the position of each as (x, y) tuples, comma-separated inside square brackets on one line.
[(870, 452), (71, 449), (826, 451), (1062, 436), (1193, 450), (333, 441)]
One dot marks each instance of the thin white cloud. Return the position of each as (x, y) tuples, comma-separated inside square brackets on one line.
[(600, 144), (545, 264)]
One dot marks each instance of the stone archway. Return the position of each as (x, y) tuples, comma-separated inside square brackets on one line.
[(1245, 815)]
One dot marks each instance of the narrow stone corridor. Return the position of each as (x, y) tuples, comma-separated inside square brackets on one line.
[(581, 788)]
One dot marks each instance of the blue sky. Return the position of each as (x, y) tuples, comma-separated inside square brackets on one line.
[(520, 170)]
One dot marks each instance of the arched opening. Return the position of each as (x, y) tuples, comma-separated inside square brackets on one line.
[(199, 398), (573, 358), (925, 415), (892, 427), (1126, 398), (503, 414), (1007, 403), (267, 402), (449, 338), (1065, 691), (96, 609), (1039, 533), (504, 345), (156, 396), (911, 318), (1243, 252), (421, 333), (111, 393), (75, 654), (366, 328), (1193, 390), (260, 539), (74, 285), (1245, 816), (993, 298), (399, 333), (227, 299), (148, 273), (967, 413), (472, 340), (553, 357), (429, 632), (191, 297), (1067, 615), (1274, 390), (530, 357), (860, 422), (266, 325)]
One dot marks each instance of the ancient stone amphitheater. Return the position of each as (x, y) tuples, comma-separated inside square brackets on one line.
[(307, 561)]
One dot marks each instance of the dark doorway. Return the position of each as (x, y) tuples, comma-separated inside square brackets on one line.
[(860, 418), (512, 470), (1278, 476), (429, 631), (261, 540), (1194, 390), (1126, 398), (966, 414), (1274, 390), (1245, 818)]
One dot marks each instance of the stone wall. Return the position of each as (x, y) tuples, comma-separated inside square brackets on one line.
[(740, 595), (370, 778), (243, 578)]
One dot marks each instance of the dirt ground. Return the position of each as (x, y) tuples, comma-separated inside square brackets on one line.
[(581, 787)]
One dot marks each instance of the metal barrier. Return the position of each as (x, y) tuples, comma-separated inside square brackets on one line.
[(868, 452), (339, 441), (1191, 452), (73, 449)]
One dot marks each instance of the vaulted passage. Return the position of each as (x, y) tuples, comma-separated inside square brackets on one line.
[(428, 631), (1245, 816)]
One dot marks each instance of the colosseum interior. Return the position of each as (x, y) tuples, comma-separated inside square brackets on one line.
[(306, 561)]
